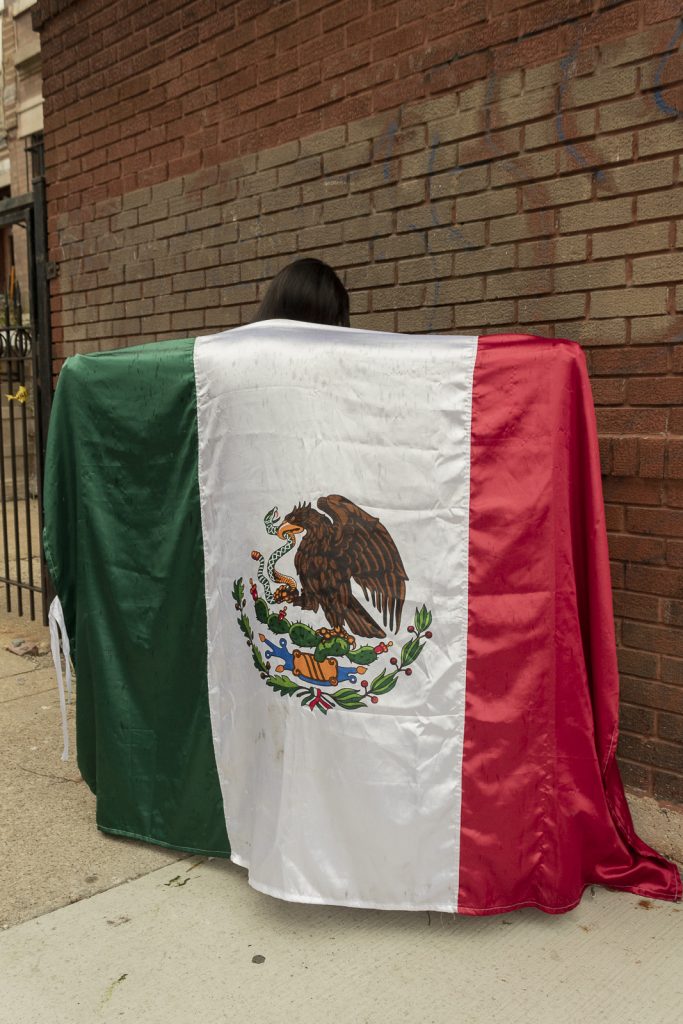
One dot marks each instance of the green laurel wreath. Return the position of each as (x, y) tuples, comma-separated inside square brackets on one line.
[(348, 698)]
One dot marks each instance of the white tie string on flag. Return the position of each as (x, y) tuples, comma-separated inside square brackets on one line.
[(61, 646)]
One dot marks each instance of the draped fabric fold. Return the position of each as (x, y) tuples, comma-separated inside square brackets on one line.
[(339, 605)]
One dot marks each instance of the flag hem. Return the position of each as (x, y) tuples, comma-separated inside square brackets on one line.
[(160, 842)]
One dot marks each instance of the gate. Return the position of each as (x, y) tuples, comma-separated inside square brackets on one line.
[(26, 391)]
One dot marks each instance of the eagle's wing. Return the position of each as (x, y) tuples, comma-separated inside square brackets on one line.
[(366, 551)]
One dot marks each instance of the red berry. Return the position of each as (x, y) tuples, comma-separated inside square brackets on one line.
[(394, 661), (374, 699), (428, 635), (411, 629), (364, 682), (409, 671)]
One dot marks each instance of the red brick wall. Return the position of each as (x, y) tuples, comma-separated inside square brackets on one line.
[(482, 165)]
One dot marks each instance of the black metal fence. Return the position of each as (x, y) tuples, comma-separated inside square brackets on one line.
[(22, 575), (25, 397)]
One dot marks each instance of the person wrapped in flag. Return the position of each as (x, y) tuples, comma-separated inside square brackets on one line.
[(408, 697)]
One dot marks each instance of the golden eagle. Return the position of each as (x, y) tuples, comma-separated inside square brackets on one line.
[(344, 544)]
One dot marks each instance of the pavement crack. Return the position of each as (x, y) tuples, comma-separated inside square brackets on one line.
[(34, 693), (43, 775), (197, 865)]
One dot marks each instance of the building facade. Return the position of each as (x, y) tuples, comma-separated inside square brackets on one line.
[(21, 122)]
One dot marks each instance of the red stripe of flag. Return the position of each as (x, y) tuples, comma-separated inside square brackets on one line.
[(543, 809)]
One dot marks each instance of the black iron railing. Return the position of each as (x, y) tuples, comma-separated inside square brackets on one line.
[(25, 392), (21, 573)]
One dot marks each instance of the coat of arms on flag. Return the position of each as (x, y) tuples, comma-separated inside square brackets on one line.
[(338, 543)]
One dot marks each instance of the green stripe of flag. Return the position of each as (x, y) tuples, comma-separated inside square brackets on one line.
[(123, 541)]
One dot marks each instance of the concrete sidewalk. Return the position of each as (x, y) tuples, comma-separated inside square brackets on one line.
[(52, 853), (192, 942), (98, 928)]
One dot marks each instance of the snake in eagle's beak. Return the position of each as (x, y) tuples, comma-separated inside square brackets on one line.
[(288, 527)]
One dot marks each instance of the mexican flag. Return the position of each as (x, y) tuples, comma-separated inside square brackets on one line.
[(339, 605)]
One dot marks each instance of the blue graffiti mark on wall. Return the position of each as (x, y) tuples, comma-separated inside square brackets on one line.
[(566, 66), (509, 166), (454, 231), (388, 138), (431, 163), (667, 108), (431, 166)]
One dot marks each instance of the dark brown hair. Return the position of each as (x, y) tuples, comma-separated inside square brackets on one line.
[(306, 290)]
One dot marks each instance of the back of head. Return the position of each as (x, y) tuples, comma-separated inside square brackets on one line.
[(306, 290)]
